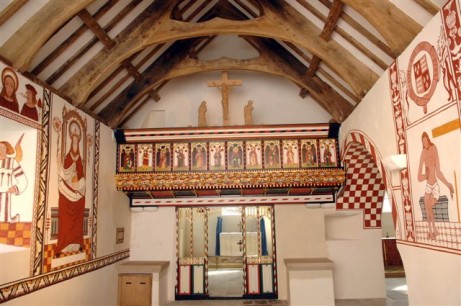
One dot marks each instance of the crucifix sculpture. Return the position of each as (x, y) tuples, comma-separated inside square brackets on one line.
[(225, 84)]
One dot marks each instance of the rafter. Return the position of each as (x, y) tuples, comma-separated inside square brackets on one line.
[(360, 29), (348, 37), (333, 16), (93, 25), (120, 82), (78, 55), (10, 10), (36, 31), (114, 111), (388, 20), (280, 21), (429, 6), (325, 75), (273, 61), (72, 38)]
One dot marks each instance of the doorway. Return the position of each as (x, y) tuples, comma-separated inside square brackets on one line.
[(225, 256), (226, 252)]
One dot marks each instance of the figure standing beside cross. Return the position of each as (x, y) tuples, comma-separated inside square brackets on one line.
[(225, 84)]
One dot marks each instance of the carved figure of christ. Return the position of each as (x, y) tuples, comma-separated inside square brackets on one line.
[(225, 85)]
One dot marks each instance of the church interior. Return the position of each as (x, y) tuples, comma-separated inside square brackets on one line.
[(230, 152)]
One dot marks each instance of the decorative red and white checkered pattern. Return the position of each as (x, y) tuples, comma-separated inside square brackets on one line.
[(364, 185)]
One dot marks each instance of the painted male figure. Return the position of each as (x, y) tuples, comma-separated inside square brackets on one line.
[(432, 173)]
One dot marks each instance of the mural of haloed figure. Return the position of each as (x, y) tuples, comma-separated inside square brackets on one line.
[(70, 218)]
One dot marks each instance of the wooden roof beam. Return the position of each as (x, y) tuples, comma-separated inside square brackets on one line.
[(175, 63), (154, 94), (114, 111), (356, 26), (10, 10), (429, 6), (325, 74), (82, 51), (388, 20), (350, 38), (70, 40), (92, 24), (333, 16), (94, 27), (280, 21), (36, 31)]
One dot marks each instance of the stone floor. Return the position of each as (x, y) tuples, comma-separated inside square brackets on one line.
[(396, 296)]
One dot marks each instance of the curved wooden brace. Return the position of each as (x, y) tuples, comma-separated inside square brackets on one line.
[(282, 22), (331, 101), (388, 21), (21, 48)]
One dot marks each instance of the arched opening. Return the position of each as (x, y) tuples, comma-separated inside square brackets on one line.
[(365, 190)]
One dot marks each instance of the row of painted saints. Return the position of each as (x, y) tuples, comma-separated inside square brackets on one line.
[(230, 155)]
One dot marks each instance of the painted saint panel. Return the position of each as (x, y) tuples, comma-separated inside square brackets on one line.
[(198, 156), (272, 158), (181, 156), (71, 188), (145, 157), (235, 155), (309, 153), (126, 158), (328, 156), (217, 155), (290, 153), (163, 157), (254, 154)]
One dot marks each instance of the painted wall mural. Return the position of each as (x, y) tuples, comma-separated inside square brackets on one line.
[(49, 164), (425, 92), (19, 188)]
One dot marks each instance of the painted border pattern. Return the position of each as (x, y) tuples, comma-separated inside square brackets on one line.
[(451, 25), (40, 209), (97, 133), (156, 135), (401, 138), (29, 285)]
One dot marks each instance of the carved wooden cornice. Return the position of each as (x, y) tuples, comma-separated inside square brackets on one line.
[(230, 179)]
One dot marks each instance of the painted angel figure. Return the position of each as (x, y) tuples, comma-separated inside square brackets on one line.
[(13, 180)]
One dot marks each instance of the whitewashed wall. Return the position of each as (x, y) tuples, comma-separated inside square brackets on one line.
[(276, 100), (301, 232), (153, 238), (433, 267)]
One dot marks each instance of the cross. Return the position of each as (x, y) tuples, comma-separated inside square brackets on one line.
[(225, 85)]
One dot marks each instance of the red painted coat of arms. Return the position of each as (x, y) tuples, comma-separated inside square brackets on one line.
[(422, 74)]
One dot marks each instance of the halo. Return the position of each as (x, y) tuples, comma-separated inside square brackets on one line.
[(75, 130), (7, 71)]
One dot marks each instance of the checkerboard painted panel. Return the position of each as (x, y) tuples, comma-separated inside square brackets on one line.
[(364, 185)]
